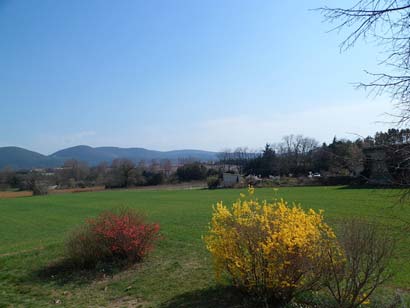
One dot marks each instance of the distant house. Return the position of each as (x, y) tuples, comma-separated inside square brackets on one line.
[(230, 179), (253, 179)]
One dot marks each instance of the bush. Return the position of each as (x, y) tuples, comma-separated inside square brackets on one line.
[(122, 235), (340, 180), (362, 267), (270, 250), (40, 189), (84, 249), (213, 182), (214, 172), (153, 178), (191, 172)]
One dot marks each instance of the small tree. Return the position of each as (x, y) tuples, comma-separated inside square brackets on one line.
[(36, 183), (124, 173), (7, 177)]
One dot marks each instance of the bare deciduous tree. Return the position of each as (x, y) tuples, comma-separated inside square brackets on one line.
[(124, 172), (388, 24), (295, 151)]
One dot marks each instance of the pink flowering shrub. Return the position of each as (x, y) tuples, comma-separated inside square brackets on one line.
[(122, 235)]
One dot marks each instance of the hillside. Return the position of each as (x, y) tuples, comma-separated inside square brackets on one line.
[(19, 158), (94, 156)]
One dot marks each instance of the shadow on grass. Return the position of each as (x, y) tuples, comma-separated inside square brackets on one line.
[(370, 186), (227, 297), (64, 271)]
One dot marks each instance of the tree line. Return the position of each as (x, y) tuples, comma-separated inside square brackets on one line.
[(121, 173), (297, 155), (294, 156)]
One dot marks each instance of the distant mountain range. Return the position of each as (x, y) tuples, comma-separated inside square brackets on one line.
[(19, 158)]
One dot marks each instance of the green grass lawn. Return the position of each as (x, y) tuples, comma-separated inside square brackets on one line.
[(179, 272)]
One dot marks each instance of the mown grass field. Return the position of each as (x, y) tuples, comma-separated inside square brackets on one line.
[(179, 272)]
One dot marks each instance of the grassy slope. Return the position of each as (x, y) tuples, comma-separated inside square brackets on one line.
[(32, 230)]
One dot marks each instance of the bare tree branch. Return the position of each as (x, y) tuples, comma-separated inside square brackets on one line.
[(388, 23)]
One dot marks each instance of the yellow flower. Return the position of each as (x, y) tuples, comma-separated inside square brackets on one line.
[(251, 190), (272, 242)]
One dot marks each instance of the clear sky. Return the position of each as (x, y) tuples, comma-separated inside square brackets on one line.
[(178, 74)]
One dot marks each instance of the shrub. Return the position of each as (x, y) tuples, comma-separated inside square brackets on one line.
[(340, 180), (213, 182), (153, 178), (84, 249), (191, 172), (213, 172), (271, 250), (362, 267), (122, 235), (40, 189)]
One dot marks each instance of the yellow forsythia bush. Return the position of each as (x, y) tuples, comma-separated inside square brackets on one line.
[(272, 250)]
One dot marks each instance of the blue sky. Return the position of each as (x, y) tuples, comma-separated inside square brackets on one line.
[(178, 74)]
